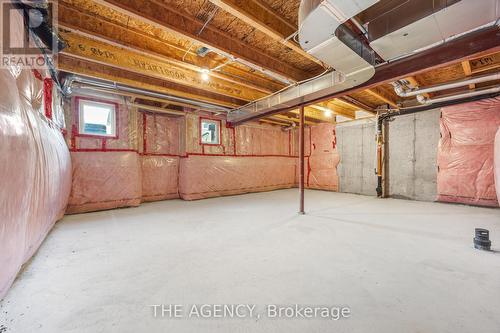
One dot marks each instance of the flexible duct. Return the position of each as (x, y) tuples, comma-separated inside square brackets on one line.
[(400, 89)]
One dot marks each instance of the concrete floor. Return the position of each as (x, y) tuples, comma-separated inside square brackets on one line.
[(400, 266)]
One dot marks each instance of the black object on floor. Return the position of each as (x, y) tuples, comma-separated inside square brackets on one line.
[(482, 239)]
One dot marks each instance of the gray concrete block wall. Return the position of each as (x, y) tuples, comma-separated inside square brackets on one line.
[(356, 147), (412, 153)]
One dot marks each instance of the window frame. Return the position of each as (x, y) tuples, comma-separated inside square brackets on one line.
[(213, 120), (79, 117)]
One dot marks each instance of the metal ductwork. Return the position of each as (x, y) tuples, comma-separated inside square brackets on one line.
[(400, 90), (427, 101), (322, 35), (415, 25), (70, 80)]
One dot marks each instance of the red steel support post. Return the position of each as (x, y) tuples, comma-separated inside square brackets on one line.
[(301, 160)]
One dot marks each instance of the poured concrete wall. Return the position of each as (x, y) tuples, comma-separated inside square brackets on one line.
[(412, 152), (412, 156), (356, 146)]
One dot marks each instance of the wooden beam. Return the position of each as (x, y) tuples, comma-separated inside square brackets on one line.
[(358, 103), (468, 72), (133, 97), (318, 112), (485, 63), (157, 109), (165, 17), (382, 96), (99, 52), (89, 24), (268, 8), (337, 109), (289, 116), (90, 69), (412, 80), (265, 120), (264, 21)]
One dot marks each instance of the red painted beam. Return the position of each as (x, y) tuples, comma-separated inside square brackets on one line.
[(471, 45), (301, 160)]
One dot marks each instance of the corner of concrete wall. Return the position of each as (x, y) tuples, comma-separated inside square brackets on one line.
[(356, 146), (412, 156)]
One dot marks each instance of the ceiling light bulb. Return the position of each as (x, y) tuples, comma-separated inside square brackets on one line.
[(204, 74), (328, 113)]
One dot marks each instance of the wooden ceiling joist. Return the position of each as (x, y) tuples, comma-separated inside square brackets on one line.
[(468, 72), (485, 63), (157, 109), (165, 17), (265, 21), (99, 52), (415, 83), (101, 71), (382, 96), (81, 21), (356, 103)]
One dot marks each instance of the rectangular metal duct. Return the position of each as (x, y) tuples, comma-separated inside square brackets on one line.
[(404, 14), (445, 20), (322, 35)]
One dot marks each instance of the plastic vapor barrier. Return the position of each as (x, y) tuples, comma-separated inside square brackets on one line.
[(323, 159), (249, 158), (160, 160), (465, 153), (497, 162), (159, 178), (105, 180), (35, 172), (210, 176)]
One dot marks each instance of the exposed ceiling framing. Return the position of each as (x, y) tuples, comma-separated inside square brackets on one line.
[(248, 47)]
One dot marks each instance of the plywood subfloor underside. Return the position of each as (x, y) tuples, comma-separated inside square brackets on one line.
[(401, 266)]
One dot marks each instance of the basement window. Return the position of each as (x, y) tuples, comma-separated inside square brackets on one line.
[(97, 118), (210, 131)]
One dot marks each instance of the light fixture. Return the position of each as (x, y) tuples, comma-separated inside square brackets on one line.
[(326, 111), (204, 74)]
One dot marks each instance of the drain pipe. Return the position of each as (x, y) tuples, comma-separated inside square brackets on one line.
[(428, 101), (380, 155), (68, 82), (400, 90), (381, 119)]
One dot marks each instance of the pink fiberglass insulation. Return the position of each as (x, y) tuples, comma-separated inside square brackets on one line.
[(162, 134), (160, 163), (159, 178), (35, 172), (323, 160), (105, 180), (250, 158), (210, 176), (125, 135), (262, 140), (497, 162), (465, 153)]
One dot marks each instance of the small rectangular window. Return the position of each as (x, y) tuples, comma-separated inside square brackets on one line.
[(210, 131), (97, 118)]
